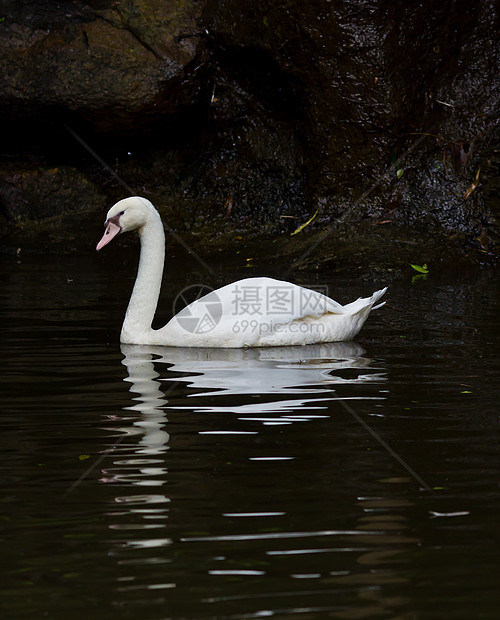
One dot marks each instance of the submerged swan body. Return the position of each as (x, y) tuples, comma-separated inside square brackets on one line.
[(254, 312)]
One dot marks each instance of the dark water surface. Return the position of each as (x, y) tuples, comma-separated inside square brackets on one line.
[(143, 482)]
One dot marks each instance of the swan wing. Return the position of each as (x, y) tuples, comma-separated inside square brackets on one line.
[(259, 300), (264, 312)]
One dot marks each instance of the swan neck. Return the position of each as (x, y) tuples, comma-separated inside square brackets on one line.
[(144, 298)]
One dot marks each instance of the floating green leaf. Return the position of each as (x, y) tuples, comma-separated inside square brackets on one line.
[(420, 268)]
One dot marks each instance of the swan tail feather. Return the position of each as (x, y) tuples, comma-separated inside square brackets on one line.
[(376, 296), (366, 303)]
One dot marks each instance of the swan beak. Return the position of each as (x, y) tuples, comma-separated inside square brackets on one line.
[(111, 231)]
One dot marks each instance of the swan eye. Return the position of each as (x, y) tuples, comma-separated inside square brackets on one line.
[(121, 213)]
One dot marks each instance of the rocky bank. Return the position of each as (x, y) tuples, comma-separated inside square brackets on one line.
[(241, 121)]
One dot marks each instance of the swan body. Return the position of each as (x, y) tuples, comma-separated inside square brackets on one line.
[(253, 312)]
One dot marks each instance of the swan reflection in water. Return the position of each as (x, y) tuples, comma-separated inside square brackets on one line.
[(308, 372), (292, 384), (269, 386)]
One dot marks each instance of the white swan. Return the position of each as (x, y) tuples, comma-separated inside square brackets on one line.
[(254, 312)]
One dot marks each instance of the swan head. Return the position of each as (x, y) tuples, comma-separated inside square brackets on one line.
[(126, 215)]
